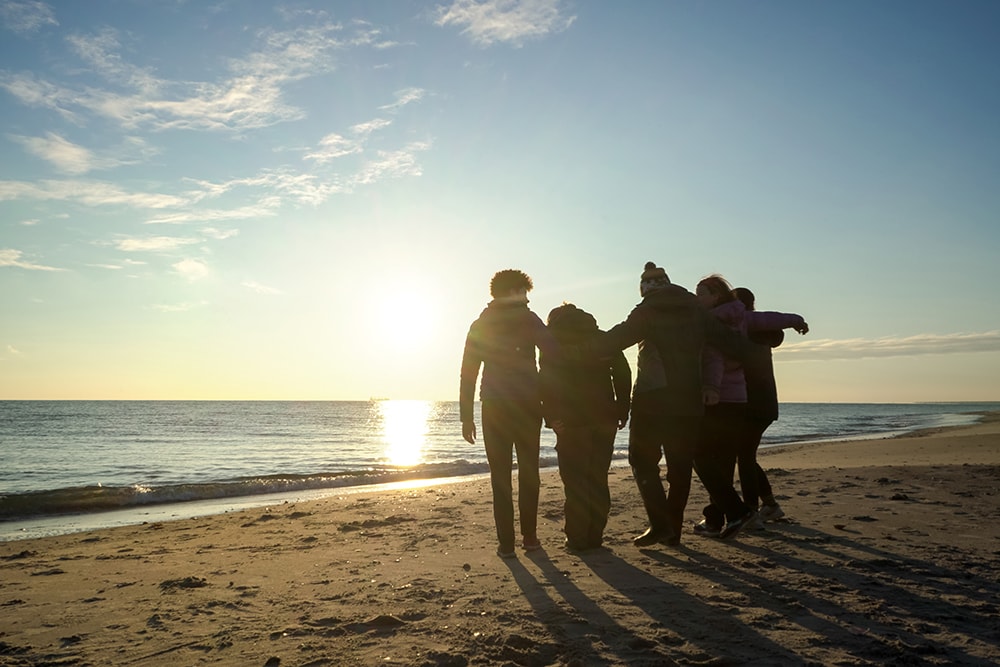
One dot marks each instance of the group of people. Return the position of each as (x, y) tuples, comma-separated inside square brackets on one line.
[(703, 395)]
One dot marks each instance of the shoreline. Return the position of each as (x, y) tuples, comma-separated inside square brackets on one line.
[(882, 558), (51, 525)]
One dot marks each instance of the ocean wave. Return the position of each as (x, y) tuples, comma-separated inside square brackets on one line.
[(87, 499)]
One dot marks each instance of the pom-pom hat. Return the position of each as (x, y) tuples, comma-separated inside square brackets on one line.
[(653, 277)]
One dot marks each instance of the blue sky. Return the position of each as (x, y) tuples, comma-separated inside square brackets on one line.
[(306, 200)]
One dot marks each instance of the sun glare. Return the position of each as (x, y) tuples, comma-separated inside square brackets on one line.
[(408, 319), (404, 430)]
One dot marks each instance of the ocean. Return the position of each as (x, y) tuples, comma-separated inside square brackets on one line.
[(77, 465)]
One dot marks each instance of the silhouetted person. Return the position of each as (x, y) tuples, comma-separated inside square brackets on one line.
[(765, 328), (503, 341), (670, 327), (585, 401)]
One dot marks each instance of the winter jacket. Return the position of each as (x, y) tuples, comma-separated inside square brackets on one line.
[(503, 340), (727, 375), (584, 391), (671, 327), (722, 373), (765, 328)]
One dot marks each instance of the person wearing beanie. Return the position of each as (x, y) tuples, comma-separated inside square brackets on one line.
[(502, 341), (670, 327), (585, 401)]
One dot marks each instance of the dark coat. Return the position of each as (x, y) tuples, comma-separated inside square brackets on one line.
[(672, 327), (585, 391)]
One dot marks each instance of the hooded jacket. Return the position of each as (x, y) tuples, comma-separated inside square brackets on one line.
[(502, 340), (584, 391)]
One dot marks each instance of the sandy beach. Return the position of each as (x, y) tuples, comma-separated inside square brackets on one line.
[(888, 554)]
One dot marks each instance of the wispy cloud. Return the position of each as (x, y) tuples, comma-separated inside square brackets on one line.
[(264, 208), (251, 96), (191, 269), (30, 222), (859, 348), (86, 192), (513, 21), (64, 155), (219, 234), (404, 97), (26, 16), (12, 258), (13, 350), (73, 159), (260, 289), (334, 145), (154, 243), (392, 164), (179, 307)]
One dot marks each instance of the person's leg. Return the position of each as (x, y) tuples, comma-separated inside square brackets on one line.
[(528, 424), (716, 457), (571, 452), (644, 452), (750, 472), (680, 441), (499, 454), (752, 477), (602, 447)]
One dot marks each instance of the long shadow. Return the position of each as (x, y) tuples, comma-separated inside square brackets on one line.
[(714, 632), (817, 604), (584, 624), (983, 588)]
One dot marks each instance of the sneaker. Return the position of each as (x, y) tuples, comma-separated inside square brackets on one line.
[(769, 513), (755, 524), (736, 525), (705, 529), (655, 536), (531, 544), (506, 553)]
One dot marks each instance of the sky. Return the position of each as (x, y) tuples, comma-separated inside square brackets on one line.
[(306, 200)]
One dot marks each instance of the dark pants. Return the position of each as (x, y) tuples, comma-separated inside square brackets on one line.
[(753, 480), (654, 435), (510, 426), (584, 458), (722, 433)]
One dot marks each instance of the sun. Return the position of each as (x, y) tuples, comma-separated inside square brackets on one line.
[(409, 318)]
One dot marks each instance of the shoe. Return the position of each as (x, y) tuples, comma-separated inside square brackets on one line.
[(506, 553), (769, 513), (656, 536), (531, 544), (736, 525), (755, 524), (705, 529)]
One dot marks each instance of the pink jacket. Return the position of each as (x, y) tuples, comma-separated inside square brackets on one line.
[(725, 374)]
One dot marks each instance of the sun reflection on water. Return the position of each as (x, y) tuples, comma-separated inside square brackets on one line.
[(404, 430)]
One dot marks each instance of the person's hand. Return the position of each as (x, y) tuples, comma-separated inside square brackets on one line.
[(469, 432), (621, 423), (802, 328), (710, 396)]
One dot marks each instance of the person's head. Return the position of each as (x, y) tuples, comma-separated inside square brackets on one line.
[(653, 277), (744, 295), (510, 285), (714, 291), (567, 317)]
